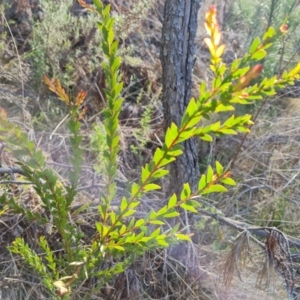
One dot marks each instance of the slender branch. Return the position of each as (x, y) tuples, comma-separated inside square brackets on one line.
[(11, 170), (15, 182), (240, 226)]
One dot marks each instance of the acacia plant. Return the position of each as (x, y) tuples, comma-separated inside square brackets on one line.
[(119, 236)]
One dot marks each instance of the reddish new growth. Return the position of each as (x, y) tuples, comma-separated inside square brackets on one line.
[(246, 79), (284, 28)]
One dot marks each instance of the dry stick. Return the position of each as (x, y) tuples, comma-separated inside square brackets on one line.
[(15, 182), (271, 14), (240, 226), (11, 170), (281, 57), (18, 56), (59, 124)]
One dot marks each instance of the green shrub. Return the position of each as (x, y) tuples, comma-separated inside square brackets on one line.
[(65, 45), (54, 40), (252, 18)]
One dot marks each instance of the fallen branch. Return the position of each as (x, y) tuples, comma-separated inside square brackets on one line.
[(240, 226), (11, 170)]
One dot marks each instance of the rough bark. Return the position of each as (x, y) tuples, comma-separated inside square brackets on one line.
[(177, 56)]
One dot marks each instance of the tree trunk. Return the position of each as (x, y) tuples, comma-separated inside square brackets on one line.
[(177, 56)]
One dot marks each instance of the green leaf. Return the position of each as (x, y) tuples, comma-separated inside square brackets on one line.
[(134, 189), (216, 188), (134, 204), (162, 211), (227, 131), (160, 173), (182, 237), (130, 225), (99, 5), (106, 10), (174, 151), (254, 45), (174, 229), (295, 71), (188, 207), (105, 36), (165, 161), (172, 214), (269, 34), (155, 233), (202, 183), (156, 222), (117, 247), (145, 172), (259, 55), (217, 82), (193, 121), (172, 202), (222, 70), (219, 168), (212, 127), (192, 107), (123, 229), (162, 242), (124, 204), (186, 191), (105, 230), (158, 155), (222, 107), (193, 203), (235, 65), (118, 89), (129, 213), (112, 216), (206, 137), (98, 227), (151, 187), (209, 174), (186, 134), (115, 66), (145, 239), (129, 239), (139, 223), (171, 135), (139, 237), (228, 181), (240, 72), (114, 46)]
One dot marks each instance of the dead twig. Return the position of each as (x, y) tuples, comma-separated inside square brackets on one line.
[(11, 170), (241, 227)]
